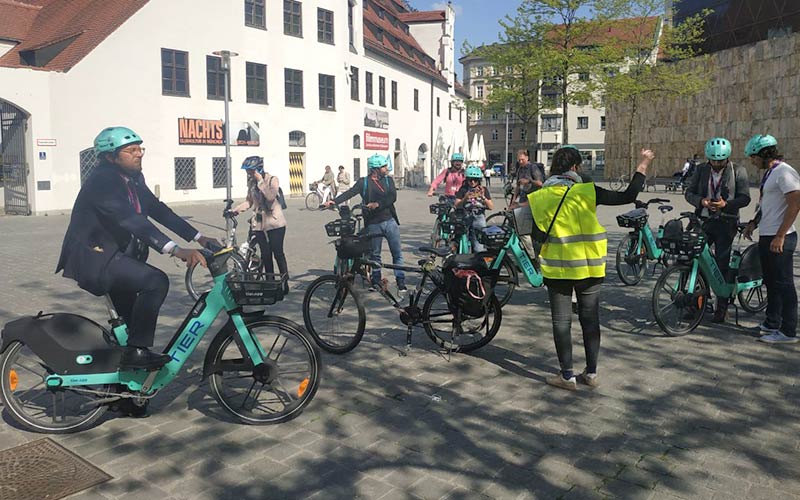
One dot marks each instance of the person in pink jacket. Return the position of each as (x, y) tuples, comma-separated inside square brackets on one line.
[(453, 177)]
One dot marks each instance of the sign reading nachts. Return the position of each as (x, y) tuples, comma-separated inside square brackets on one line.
[(199, 131)]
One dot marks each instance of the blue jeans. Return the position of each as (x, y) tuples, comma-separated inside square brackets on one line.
[(478, 223), (777, 269), (391, 231)]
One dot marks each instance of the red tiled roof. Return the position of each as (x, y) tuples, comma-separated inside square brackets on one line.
[(631, 29), (423, 17), (90, 21), (383, 32), (460, 89)]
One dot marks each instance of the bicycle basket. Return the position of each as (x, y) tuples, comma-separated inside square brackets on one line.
[(255, 289), (494, 237), (687, 244), (469, 295), (635, 219), (340, 227), (351, 247)]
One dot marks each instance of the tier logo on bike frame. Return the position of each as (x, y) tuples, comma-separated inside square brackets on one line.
[(200, 132), (376, 140)]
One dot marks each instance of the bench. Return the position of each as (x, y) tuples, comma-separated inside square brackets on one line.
[(670, 184)]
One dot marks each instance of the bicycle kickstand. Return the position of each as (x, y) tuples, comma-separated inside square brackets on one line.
[(407, 349)]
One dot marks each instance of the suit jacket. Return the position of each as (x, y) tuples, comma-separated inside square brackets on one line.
[(104, 223), (735, 189)]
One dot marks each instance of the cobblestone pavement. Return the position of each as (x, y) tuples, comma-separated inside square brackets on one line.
[(709, 415)]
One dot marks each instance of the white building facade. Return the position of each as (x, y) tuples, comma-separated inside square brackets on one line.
[(315, 83)]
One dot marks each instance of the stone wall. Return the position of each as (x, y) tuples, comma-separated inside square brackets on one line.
[(754, 89)]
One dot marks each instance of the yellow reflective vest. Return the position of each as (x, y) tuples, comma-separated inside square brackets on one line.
[(577, 246)]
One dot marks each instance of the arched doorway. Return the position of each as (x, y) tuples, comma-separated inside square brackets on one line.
[(13, 158)]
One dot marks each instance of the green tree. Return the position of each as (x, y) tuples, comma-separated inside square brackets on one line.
[(649, 59)]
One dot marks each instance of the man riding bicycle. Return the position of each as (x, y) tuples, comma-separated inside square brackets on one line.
[(475, 199), (453, 177), (106, 244), (378, 193)]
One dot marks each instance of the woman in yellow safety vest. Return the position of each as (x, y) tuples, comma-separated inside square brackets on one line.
[(573, 256)]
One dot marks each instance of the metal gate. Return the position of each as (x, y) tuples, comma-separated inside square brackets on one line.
[(13, 127)]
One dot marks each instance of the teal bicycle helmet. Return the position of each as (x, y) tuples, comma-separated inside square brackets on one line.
[(718, 148), (377, 161), (457, 157), (473, 172), (113, 138), (759, 142)]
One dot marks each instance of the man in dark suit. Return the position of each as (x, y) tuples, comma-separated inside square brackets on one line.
[(106, 244), (718, 190)]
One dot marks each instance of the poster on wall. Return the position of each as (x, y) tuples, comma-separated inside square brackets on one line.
[(376, 118), (198, 131), (376, 140)]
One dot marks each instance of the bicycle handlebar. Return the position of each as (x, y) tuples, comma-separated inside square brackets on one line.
[(644, 204)]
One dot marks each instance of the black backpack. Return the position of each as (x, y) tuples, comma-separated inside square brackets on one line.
[(471, 295)]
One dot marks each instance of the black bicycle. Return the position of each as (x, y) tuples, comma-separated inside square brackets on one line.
[(454, 318)]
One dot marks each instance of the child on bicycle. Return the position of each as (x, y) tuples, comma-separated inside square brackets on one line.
[(475, 199)]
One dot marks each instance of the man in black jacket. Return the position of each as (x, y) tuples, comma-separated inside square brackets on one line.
[(106, 244), (718, 190), (378, 194)]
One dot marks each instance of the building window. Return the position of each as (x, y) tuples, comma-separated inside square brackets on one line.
[(437, 107), (602, 123), (551, 123), (174, 72), (494, 116), (254, 14), (297, 139), (523, 134), (353, 83), (450, 111), (256, 83), (292, 18), (215, 78), (495, 135), (327, 92), (583, 101), (394, 95), (479, 115), (219, 172), (368, 85), (583, 122), (583, 77), (551, 98), (88, 161), (479, 71), (382, 91), (350, 7), (460, 113), (294, 87), (185, 177), (479, 91), (325, 26), (416, 100), (511, 134), (356, 141)]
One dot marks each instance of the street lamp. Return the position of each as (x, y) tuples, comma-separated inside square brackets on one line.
[(505, 160), (225, 65)]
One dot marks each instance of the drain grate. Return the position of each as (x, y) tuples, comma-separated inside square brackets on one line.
[(44, 469)]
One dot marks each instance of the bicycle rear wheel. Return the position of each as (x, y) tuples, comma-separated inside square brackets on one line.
[(313, 201), (677, 309), (466, 335), (199, 281), (631, 259), (753, 300), (507, 281), (275, 391), (38, 408), (333, 314)]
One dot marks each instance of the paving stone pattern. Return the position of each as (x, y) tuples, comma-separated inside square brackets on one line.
[(710, 415)]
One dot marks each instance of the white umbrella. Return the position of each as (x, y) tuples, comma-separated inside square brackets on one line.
[(481, 150), (465, 148), (473, 150)]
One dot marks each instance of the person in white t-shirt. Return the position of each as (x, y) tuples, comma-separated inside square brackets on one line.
[(779, 205)]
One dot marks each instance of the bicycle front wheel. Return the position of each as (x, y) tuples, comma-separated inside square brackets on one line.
[(275, 391), (464, 335), (313, 201), (333, 314), (677, 309), (198, 279), (631, 259), (38, 408)]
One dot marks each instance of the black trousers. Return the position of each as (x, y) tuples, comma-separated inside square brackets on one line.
[(137, 290), (260, 238), (275, 249), (720, 234), (778, 269)]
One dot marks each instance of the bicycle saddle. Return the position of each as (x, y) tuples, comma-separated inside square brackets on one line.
[(441, 252), (665, 208)]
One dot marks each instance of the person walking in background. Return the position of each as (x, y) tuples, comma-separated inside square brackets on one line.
[(268, 226), (573, 257), (778, 206), (718, 190), (343, 179), (487, 172)]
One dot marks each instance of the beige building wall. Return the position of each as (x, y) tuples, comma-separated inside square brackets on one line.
[(753, 89)]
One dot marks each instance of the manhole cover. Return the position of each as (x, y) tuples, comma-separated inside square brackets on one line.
[(43, 469)]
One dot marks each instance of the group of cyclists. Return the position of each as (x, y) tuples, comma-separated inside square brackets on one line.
[(105, 247)]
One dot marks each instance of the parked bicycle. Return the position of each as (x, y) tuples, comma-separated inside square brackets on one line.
[(640, 245), (318, 194), (334, 314), (59, 373), (246, 258), (620, 182), (682, 290)]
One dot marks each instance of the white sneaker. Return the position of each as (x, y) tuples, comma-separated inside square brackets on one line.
[(557, 380), (778, 338)]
